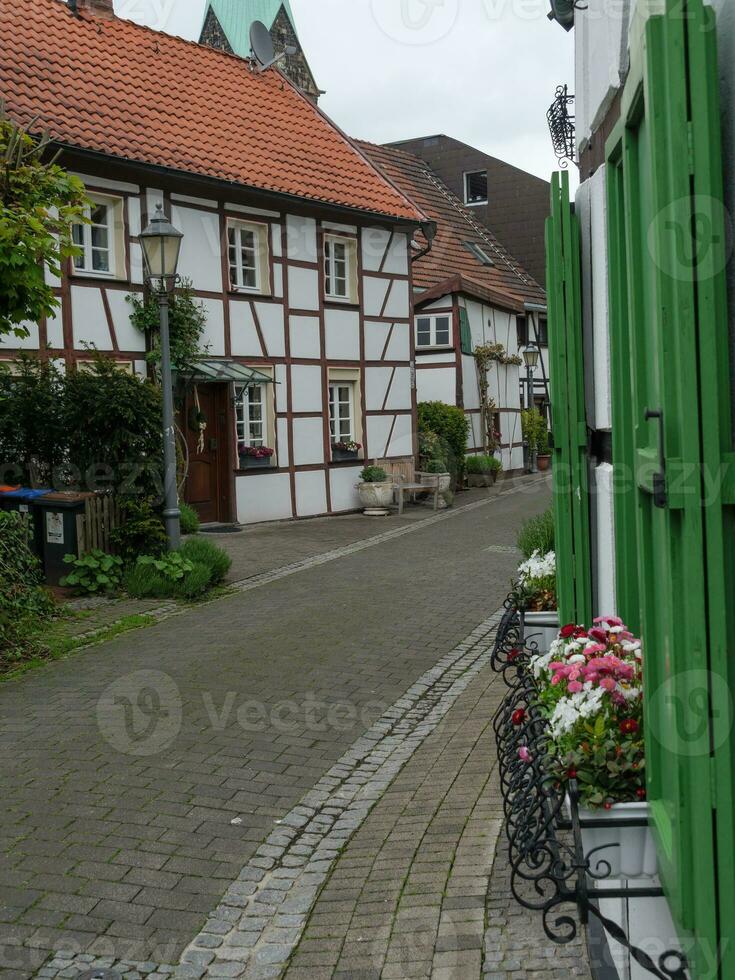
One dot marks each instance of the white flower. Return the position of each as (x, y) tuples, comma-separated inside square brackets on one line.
[(577, 658), (583, 704), (537, 566)]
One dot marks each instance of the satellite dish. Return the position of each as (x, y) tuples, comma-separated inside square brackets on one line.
[(261, 45)]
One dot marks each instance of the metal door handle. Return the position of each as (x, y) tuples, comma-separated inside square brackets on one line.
[(659, 479)]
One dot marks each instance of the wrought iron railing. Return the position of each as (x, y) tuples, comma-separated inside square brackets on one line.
[(550, 872), (561, 126)]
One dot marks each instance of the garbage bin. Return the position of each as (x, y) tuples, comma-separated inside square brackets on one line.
[(59, 512), (22, 500)]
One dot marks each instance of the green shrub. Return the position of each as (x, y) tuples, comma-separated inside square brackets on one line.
[(24, 605), (172, 566), (533, 425), (373, 474), (483, 464), (203, 552), (432, 449), (93, 573), (542, 443), (195, 583), (140, 533), (451, 425), (189, 519), (537, 534), (435, 466)]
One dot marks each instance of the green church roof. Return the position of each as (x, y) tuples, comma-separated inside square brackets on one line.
[(236, 16)]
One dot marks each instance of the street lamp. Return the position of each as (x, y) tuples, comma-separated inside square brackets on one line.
[(161, 244), (530, 356)]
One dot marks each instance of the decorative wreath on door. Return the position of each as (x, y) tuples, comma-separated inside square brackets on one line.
[(198, 420)]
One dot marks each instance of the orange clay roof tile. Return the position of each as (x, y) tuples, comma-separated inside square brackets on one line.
[(113, 87)]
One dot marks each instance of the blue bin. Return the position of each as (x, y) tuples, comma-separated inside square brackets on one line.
[(22, 501)]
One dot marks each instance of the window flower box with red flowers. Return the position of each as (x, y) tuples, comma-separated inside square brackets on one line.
[(343, 451), (255, 457)]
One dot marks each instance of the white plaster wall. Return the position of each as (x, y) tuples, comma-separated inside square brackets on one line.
[(606, 600), (374, 243), (470, 386), (398, 301), (600, 36), (88, 317), (599, 285), (397, 259), (342, 482), (401, 441), (31, 342), (304, 336), (270, 316), (303, 288), (278, 280), (306, 388), (377, 380), (136, 263), (214, 332), (301, 238), (276, 241), (437, 385), (55, 329), (244, 339), (200, 259), (308, 441), (128, 336), (399, 394), (311, 493), (266, 497), (374, 291), (284, 455), (399, 348), (134, 215), (342, 334), (376, 334)]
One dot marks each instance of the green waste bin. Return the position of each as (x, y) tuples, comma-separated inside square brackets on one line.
[(59, 526), (23, 500)]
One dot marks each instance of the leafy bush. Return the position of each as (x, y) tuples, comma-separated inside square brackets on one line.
[(172, 566), (483, 464), (201, 551), (434, 466), (94, 572), (373, 474), (24, 605), (140, 533), (187, 320), (189, 519), (451, 425), (31, 425), (537, 534), (542, 443), (533, 425), (432, 449)]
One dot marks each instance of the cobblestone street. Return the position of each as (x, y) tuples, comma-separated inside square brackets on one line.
[(297, 779)]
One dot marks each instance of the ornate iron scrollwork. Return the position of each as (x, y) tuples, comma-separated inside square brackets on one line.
[(561, 126), (550, 871)]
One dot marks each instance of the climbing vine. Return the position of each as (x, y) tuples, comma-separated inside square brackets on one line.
[(485, 355)]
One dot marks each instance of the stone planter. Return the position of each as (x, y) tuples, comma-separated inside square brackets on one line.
[(445, 482), (634, 854), (543, 462), (343, 455), (255, 462), (482, 479), (541, 627), (375, 498)]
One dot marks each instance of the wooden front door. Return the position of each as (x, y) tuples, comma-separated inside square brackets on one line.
[(208, 483), (672, 446)]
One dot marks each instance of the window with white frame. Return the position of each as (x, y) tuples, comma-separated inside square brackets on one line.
[(475, 187), (342, 411), (433, 331), (250, 416), (247, 252), (97, 240), (339, 268)]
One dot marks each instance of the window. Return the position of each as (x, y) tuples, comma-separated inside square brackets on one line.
[(475, 187), (522, 331), (339, 268), (247, 253), (480, 254), (98, 239), (543, 332), (433, 331), (250, 416), (341, 411)]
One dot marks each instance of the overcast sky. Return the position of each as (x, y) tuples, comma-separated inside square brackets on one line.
[(483, 71)]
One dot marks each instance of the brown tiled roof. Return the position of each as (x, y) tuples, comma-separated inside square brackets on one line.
[(450, 266), (114, 87)]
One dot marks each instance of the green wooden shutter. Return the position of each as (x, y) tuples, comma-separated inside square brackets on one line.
[(674, 490), (571, 492), (465, 332)]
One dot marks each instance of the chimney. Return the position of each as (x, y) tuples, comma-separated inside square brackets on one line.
[(96, 8)]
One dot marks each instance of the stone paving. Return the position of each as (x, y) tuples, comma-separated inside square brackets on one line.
[(141, 777)]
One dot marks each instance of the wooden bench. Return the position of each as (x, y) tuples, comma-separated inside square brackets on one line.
[(403, 487)]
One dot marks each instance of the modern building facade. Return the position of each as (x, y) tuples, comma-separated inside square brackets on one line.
[(511, 203), (641, 296), (294, 244)]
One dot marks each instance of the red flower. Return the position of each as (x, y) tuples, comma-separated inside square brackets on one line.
[(640, 793), (629, 727), (571, 773), (567, 631), (607, 806), (513, 654), (518, 717)]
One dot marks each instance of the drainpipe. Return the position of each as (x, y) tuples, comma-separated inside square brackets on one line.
[(429, 231)]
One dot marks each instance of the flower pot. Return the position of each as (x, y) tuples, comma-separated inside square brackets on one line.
[(543, 462), (482, 479), (635, 854), (341, 455), (445, 482), (541, 627), (375, 498), (255, 462)]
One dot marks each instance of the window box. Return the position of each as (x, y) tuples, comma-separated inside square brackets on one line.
[(340, 454), (255, 462)]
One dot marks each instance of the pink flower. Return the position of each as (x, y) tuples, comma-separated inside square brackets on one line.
[(595, 648), (524, 755), (575, 687), (597, 634), (611, 620), (608, 683)]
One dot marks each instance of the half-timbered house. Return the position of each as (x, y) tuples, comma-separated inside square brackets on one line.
[(295, 244)]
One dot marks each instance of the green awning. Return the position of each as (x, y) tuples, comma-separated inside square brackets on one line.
[(225, 370)]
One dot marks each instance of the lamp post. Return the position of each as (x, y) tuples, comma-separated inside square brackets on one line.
[(161, 244), (530, 356)]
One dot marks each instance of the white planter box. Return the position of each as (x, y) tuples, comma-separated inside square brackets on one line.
[(635, 855), (542, 628)]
